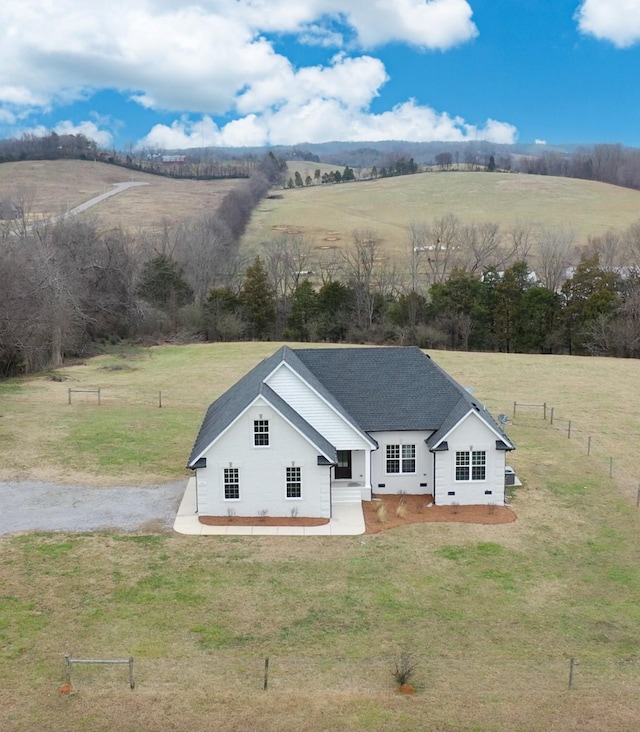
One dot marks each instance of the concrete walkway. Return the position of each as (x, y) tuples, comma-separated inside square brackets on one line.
[(347, 520)]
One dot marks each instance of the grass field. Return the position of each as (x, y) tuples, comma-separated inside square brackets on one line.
[(492, 614), (52, 187), (328, 215)]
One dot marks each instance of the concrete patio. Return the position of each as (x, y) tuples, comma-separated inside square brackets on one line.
[(347, 520)]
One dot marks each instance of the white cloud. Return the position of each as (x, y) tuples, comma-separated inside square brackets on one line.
[(617, 21), (433, 24), (324, 120), (88, 129), (540, 142), (214, 57)]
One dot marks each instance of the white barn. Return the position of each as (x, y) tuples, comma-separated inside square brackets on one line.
[(307, 428)]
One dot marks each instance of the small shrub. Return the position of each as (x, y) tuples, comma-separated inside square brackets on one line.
[(492, 509), (401, 509), (404, 668), (455, 506), (231, 512), (263, 513), (294, 512), (381, 513)]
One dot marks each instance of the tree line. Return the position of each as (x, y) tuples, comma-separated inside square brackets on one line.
[(66, 286)]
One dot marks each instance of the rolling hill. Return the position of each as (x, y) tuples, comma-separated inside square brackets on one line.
[(51, 187), (328, 215)]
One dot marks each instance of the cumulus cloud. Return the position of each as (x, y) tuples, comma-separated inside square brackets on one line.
[(617, 21), (87, 128), (216, 58), (324, 120)]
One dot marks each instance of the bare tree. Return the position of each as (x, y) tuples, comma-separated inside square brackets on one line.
[(359, 262), (481, 245), (631, 238), (287, 260), (520, 238), (608, 247), (554, 246), (443, 247), (418, 237)]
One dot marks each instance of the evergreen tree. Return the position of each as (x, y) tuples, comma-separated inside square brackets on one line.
[(162, 284), (258, 301)]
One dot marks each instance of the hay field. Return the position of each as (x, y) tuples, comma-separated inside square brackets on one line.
[(492, 614), (52, 187), (328, 215)]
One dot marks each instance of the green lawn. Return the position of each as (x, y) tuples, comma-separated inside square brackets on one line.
[(492, 614)]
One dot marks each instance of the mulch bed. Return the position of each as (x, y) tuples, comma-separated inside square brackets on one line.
[(261, 521), (401, 510), (416, 510)]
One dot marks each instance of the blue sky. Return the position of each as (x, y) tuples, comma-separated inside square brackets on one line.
[(168, 74)]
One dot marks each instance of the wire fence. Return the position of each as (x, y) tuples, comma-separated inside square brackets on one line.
[(439, 675), (596, 443)]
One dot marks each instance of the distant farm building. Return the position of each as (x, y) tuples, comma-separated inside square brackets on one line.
[(174, 159)]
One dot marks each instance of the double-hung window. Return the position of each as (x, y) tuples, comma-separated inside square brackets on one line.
[(231, 484), (401, 459), (261, 432), (471, 465), (294, 483)]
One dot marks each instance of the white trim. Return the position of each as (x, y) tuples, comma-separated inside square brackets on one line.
[(351, 425), (277, 411), (401, 458), (473, 412)]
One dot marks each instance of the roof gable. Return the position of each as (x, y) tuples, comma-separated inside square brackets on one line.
[(373, 389)]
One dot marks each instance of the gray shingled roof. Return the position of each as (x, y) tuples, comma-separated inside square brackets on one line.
[(376, 389), (228, 406), (394, 388)]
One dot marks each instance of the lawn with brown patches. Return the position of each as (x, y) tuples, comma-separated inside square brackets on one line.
[(327, 215), (492, 613), (51, 187)]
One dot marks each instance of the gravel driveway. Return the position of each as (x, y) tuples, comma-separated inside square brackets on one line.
[(31, 506)]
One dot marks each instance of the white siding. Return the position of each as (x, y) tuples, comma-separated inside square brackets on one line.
[(262, 470), (471, 434), (314, 410), (381, 482)]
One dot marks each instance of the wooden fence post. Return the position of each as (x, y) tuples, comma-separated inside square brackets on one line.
[(544, 411), (67, 668), (551, 421), (589, 445), (160, 399), (514, 408), (266, 673), (569, 430), (132, 678)]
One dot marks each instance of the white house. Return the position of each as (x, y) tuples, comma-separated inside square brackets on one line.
[(307, 428)]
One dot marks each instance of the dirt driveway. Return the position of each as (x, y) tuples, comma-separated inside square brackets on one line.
[(32, 506)]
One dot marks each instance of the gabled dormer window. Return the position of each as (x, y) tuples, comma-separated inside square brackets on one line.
[(261, 432)]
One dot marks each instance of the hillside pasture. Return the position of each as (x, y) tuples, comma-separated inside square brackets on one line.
[(51, 187), (327, 215), (491, 614)]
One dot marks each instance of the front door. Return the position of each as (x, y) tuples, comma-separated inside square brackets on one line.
[(343, 468)]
